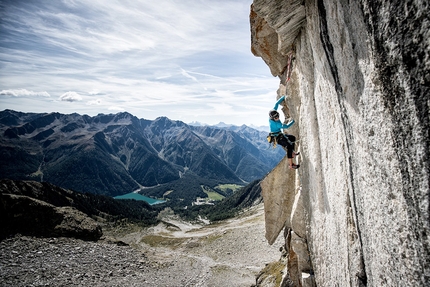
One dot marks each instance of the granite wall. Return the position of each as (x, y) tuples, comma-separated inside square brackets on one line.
[(356, 213)]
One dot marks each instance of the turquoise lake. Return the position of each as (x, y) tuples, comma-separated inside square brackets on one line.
[(137, 196)]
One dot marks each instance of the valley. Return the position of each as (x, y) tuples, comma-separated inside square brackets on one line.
[(62, 226), (172, 253)]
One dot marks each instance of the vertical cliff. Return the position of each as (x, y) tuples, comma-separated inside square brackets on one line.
[(357, 211)]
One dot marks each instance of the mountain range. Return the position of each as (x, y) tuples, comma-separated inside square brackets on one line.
[(224, 125), (117, 153)]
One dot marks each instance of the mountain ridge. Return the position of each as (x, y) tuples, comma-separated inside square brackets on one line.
[(117, 153)]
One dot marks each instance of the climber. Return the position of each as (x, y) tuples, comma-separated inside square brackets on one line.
[(277, 137)]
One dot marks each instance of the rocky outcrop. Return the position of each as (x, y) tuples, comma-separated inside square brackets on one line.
[(272, 37), (30, 216), (42, 209), (357, 211)]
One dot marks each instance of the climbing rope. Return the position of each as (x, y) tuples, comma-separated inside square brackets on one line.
[(290, 57)]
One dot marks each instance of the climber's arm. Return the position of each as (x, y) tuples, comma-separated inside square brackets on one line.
[(278, 102), (277, 125), (288, 125)]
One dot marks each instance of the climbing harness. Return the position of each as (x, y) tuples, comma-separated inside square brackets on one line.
[(272, 138)]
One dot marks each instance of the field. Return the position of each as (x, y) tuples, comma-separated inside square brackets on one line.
[(224, 187), (212, 194)]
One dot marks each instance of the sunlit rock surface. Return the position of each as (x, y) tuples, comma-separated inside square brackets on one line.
[(357, 211)]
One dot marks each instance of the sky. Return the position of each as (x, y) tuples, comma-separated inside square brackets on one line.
[(188, 60)]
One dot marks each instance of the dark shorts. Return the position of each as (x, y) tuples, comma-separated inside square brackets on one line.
[(287, 141)]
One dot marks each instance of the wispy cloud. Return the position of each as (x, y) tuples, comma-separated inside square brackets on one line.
[(139, 56), (186, 74), (23, 93), (96, 102)]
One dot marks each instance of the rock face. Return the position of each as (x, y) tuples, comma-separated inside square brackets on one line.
[(356, 213)]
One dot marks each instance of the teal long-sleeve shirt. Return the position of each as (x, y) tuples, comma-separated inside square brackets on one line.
[(277, 126)]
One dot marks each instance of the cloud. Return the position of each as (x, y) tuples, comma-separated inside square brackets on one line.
[(95, 92), (116, 108), (71, 97), (177, 59), (95, 102), (186, 74), (23, 93), (221, 109)]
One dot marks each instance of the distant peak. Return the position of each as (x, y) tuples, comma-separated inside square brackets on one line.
[(222, 125), (196, 124)]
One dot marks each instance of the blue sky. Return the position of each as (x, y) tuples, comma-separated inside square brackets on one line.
[(187, 60)]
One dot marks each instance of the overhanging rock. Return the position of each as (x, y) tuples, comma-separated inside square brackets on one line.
[(275, 26)]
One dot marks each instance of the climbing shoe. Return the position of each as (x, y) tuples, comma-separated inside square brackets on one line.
[(294, 166)]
